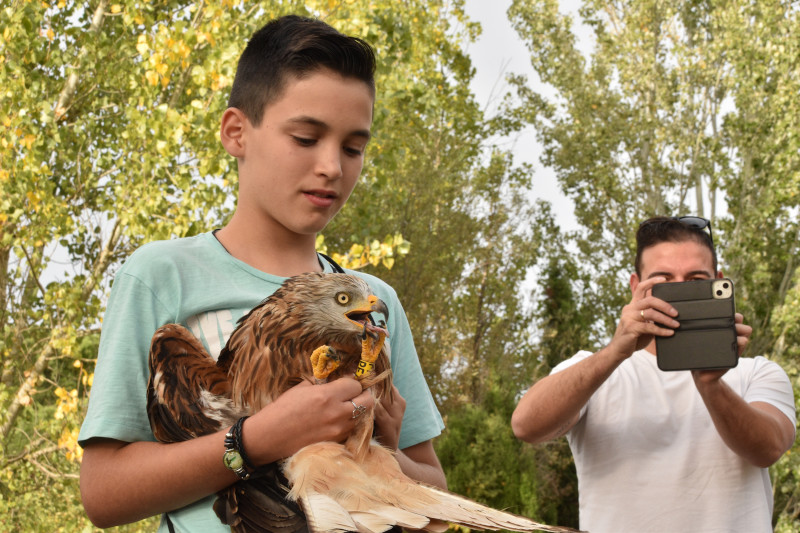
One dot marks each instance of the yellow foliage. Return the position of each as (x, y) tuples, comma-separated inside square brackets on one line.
[(67, 402), (141, 45), (27, 141), (152, 77), (359, 256), (69, 442), (34, 199)]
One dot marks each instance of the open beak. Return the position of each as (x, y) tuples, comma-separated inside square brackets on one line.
[(361, 316)]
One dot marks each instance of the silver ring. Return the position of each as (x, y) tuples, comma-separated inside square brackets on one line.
[(358, 410)]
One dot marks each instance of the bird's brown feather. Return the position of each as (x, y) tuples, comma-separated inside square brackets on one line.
[(357, 485), (187, 394)]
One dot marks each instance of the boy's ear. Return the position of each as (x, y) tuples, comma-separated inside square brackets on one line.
[(231, 131)]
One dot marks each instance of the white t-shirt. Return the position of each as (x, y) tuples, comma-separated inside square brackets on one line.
[(649, 458)]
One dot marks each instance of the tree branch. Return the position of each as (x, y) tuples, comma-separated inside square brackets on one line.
[(39, 367), (68, 92)]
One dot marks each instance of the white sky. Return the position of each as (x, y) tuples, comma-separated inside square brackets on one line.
[(500, 51)]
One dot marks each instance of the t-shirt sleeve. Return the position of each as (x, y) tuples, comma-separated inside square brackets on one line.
[(566, 363), (770, 384), (117, 402)]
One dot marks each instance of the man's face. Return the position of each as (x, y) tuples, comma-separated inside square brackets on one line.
[(676, 261), (301, 163)]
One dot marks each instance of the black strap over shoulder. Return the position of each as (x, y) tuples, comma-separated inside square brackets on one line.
[(334, 264)]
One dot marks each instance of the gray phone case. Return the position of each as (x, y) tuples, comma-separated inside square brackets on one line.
[(706, 337)]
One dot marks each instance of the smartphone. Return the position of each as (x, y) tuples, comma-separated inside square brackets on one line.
[(706, 337)]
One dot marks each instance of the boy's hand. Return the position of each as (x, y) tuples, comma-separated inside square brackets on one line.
[(389, 419), (303, 415)]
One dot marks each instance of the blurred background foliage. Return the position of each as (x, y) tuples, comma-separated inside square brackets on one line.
[(108, 139)]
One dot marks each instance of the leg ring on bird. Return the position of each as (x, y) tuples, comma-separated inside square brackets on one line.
[(357, 409)]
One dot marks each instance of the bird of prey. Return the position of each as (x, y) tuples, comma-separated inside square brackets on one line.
[(315, 327)]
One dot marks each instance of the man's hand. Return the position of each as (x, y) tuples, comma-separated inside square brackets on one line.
[(743, 332), (389, 419), (640, 319)]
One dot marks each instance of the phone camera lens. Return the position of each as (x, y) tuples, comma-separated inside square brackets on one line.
[(725, 285), (719, 293)]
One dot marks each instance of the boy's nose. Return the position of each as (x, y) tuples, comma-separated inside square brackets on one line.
[(329, 163)]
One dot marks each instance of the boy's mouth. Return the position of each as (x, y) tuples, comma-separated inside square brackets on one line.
[(320, 198)]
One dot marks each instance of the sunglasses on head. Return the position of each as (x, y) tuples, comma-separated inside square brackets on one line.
[(693, 222)]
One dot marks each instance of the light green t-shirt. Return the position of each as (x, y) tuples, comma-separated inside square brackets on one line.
[(195, 282)]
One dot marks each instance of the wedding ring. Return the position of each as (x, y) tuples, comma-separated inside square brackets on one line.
[(357, 410), (642, 313)]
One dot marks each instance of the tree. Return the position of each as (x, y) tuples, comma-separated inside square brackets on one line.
[(681, 107)]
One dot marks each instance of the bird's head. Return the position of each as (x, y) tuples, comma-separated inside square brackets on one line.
[(272, 346), (337, 306)]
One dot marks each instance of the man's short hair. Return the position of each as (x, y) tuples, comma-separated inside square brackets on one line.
[(294, 46), (660, 229)]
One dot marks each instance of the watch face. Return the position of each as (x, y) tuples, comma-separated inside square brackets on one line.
[(233, 460)]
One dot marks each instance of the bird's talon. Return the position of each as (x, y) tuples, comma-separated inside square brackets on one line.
[(324, 360)]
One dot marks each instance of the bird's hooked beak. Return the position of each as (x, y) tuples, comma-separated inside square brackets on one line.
[(361, 317)]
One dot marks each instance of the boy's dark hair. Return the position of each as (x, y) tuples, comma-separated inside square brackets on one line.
[(672, 229), (294, 46)]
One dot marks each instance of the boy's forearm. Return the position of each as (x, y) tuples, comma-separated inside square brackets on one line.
[(419, 462), (125, 482)]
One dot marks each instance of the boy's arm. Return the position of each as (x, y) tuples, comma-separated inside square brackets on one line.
[(124, 482), (421, 463), (418, 461)]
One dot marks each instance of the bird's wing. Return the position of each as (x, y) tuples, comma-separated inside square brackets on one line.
[(187, 394), (259, 504), (377, 495)]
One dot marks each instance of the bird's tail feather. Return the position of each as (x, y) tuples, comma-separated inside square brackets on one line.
[(323, 513), (377, 485), (399, 490)]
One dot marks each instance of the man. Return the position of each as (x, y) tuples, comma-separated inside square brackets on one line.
[(298, 124), (665, 451)]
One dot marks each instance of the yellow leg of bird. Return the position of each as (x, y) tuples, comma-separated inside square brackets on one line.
[(370, 348), (324, 360)]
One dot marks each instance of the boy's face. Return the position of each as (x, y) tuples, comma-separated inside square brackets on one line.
[(299, 166)]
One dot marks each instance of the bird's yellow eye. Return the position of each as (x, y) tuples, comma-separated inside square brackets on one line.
[(343, 298)]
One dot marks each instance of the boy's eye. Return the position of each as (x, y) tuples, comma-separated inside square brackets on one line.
[(353, 150), (304, 141)]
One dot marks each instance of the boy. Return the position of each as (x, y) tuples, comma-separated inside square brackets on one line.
[(298, 123)]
